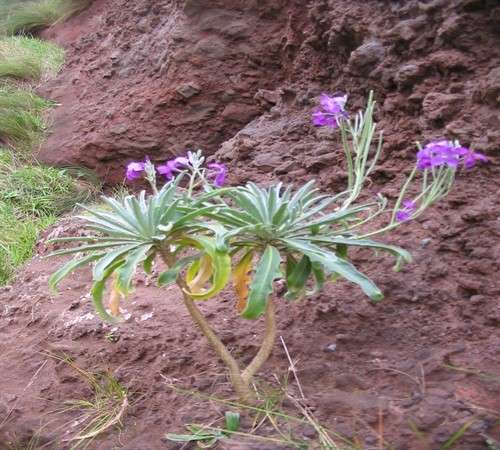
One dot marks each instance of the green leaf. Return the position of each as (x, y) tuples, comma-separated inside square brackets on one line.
[(148, 263), (85, 248), (297, 278), (101, 267), (331, 262), (319, 278), (232, 421), (69, 267), (221, 265), (398, 252), (170, 275), (97, 292), (267, 270), (127, 270)]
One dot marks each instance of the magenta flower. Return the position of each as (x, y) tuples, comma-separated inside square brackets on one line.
[(220, 172), (331, 111), (170, 167), (471, 157), (134, 170), (445, 153), (404, 214)]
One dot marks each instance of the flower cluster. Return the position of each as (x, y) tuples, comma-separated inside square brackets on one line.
[(447, 153), (169, 170), (331, 111)]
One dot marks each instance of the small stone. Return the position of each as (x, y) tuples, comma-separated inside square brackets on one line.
[(425, 242), (365, 57), (331, 348), (188, 90), (407, 74)]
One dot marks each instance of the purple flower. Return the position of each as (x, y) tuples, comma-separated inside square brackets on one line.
[(404, 214), (445, 153), (471, 157), (331, 111), (220, 171), (174, 165), (134, 170)]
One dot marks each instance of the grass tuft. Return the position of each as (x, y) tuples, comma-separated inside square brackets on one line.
[(101, 413), (21, 121), (31, 197), (33, 15), (27, 58)]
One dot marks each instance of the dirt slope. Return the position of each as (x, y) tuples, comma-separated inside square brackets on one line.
[(239, 79)]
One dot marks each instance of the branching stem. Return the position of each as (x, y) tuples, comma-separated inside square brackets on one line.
[(241, 380)]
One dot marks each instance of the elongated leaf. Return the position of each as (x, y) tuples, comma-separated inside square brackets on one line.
[(232, 421), (199, 278), (97, 292), (297, 278), (398, 252), (332, 217), (69, 267), (148, 263), (126, 271), (319, 278), (85, 248), (242, 279), (333, 263), (170, 275), (220, 262), (110, 258), (267, 270)]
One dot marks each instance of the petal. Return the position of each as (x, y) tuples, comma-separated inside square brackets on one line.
[(402, 216), (409, 205)]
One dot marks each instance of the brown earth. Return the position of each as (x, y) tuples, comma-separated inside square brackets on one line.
[(239, 79)]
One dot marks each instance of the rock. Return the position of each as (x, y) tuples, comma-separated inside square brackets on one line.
[(240, 112), (265, 96), (408, 73), (450, 28), (267, 161), (439, 106), (366, 57), (408, 30), (489, 87), (448, 60), (188, 90)]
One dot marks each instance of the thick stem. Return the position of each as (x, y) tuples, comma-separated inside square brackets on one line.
[(241, 386), (267, 344)]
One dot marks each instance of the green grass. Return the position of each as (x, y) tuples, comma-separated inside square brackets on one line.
[(31, 198), (18, 235), (27, 58), (21, 120), (23, 16)]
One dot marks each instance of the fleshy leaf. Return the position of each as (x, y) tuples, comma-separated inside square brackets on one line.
[(98, 293), (126, 271), (267, 270), (202, 275), (297, 278), (242, 279), (170, 275), (220, 263), (332, 263), (69, 267)]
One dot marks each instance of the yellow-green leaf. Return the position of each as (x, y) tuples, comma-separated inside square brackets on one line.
[(242, 279)]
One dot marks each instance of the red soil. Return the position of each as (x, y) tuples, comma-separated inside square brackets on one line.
[(239, 79)]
